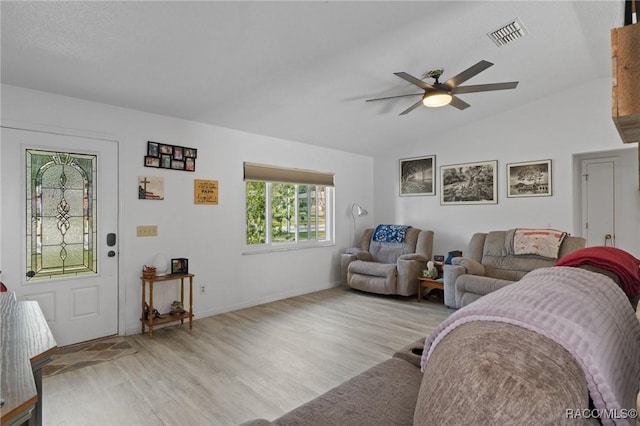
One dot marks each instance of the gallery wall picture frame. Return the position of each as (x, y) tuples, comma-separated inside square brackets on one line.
[(173, 157), (151, 161), (191, 153), (469, 183), (177, 165), (165, 149), (417, 176), (153, 149), (529, 179), (190, 164), (178, 153), (165, 161)]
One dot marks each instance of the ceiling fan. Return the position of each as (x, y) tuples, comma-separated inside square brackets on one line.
[(441, 94)]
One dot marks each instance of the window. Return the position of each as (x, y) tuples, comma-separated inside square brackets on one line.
[(283, 215), (60, 212)]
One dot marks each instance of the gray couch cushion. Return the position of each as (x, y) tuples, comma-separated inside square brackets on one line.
[(385, 394), (479, 285), (373, 268), (510, 374)]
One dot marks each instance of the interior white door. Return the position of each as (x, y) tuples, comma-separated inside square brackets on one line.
[(54, 229), (599, 199)]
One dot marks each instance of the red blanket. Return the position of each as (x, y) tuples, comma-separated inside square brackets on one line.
[(621, 263)]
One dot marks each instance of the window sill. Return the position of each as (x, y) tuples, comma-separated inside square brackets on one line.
[(288, 247)]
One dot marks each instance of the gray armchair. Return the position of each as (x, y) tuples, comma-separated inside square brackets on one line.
[(387, 266), (490, 263)]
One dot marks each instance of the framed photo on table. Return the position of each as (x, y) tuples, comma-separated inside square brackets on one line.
[(180, 266)]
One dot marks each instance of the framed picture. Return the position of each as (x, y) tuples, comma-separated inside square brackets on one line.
[(205, 191), (180, 266), (151, 161), (529, 179), (178, 154), (469, 183), (165, 161), (190, 152), (173, 157), (417, 176), (190, 164), (166, 149), (151, 187), (153, 149)]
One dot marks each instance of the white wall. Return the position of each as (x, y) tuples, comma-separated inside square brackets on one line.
[(211, 237), (572, 122)]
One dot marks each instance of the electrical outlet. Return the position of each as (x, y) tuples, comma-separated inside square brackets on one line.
[(202, 289), (147, 231)]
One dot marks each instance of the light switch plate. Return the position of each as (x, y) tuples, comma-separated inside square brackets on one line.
[(147, 231)]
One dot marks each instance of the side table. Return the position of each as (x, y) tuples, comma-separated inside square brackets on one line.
[(428, 283), (150, 321)]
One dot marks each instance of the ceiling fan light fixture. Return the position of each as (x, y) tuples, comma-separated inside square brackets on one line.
[(437, 98)]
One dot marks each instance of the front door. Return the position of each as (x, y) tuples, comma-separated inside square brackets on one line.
[(59, 220)]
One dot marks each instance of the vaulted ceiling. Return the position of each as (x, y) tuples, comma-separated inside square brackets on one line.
[(302, 70)]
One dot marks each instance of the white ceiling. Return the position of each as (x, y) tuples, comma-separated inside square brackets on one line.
[(302, 70)]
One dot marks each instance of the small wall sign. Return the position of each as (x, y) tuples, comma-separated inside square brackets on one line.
[(205, 191)]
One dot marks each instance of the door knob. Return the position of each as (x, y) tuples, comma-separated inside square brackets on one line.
[(111, 253)]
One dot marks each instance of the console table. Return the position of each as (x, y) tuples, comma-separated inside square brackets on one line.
[(27, 345), (167, 317)]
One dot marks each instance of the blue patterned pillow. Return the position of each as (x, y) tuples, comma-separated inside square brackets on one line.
[(390, 233)]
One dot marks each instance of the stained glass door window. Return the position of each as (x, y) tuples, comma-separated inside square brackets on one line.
[(61, 208)]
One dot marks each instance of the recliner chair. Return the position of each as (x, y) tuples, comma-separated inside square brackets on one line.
[(388, 260)]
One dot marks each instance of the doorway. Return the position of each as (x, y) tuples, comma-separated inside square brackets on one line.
[(607, 201)]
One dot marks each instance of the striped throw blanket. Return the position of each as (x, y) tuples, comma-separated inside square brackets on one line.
[(584, 312)]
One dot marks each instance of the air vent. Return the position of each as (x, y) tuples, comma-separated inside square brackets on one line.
[(507, 33)]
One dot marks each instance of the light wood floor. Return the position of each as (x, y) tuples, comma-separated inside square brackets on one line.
[(256, 362)]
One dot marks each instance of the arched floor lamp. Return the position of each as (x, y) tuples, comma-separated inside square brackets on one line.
[(357, 210)]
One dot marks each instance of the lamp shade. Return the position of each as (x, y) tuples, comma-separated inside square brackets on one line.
[(360, 211), (437, 98)]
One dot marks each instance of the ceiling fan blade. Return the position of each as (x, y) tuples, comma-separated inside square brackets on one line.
[(467, 74), (484, 87), (411, 108), (459, 103), (393, 97), (411, 79)]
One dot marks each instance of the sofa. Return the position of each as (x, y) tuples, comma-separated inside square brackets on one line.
[(482, 367), (388, 260), (491, 262)]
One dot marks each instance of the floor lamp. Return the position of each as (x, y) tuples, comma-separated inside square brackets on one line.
[(357, 210)]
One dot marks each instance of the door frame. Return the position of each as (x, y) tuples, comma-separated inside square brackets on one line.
[(626, 193), (583, 183), (44, 128)]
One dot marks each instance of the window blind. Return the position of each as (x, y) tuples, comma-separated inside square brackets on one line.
[(263, 172)]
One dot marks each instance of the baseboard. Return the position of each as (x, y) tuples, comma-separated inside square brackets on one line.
[(255, 302)]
